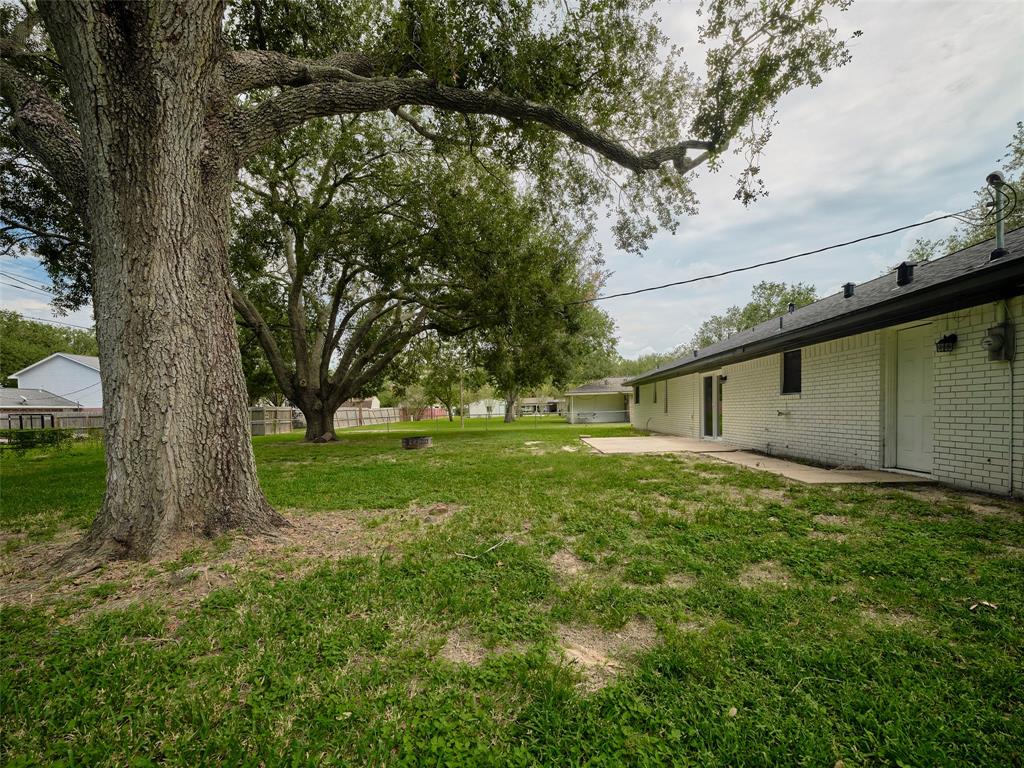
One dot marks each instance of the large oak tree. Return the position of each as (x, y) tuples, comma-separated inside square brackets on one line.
[(350, 241), (142, 113)]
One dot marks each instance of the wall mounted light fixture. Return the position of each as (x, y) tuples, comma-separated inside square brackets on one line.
[(946, 343)]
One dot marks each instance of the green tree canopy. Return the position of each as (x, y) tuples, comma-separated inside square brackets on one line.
[(768, 299)]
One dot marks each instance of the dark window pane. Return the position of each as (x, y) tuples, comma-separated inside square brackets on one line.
[(791, 372), (636, 394), (709, 407)]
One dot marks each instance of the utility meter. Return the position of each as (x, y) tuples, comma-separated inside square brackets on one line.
[(998, 342)]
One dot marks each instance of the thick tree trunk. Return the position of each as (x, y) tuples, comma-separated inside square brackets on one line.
[(178, 449), (510, 408), (319, 422)]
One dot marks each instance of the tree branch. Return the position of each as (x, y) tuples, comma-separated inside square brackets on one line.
[(255, 321), (294, 106), (41, 126), (252, 70)]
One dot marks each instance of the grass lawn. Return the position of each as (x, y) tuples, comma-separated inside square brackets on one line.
[(508, 598)]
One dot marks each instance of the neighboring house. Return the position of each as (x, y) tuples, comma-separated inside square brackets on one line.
[(368, 402), (601, 401), (32, 408), (532, 405), (912, 370), (75, 377), (481, 408)]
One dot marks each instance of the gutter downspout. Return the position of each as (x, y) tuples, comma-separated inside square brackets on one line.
[(1004, 317), (1010, 324)]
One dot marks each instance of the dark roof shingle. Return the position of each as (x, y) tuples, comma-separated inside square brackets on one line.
[(942, 285)]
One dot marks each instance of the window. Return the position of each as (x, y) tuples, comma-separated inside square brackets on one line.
[(654, 388), (666, 395), (636, 394), (791, 372)]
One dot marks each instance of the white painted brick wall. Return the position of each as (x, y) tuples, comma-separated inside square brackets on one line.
[(839, 417), (973, 402), (683, 417), (835, 419)]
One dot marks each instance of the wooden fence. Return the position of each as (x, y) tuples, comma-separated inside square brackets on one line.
[(360, 417), (270, 421), (265, 421), (79, 421)]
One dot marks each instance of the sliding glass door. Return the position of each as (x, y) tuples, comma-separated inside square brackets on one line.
[(711, 406)]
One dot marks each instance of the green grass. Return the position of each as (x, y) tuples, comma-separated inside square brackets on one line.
[(870, 653)]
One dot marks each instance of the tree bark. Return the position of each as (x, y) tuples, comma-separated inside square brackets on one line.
[(319, 421), (510, 408), (178, 449)]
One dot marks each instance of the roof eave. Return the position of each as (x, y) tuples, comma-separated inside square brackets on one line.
[(1000, 281), (16, 374)]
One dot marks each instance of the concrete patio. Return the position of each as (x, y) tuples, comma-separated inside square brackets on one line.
[(792, 470)]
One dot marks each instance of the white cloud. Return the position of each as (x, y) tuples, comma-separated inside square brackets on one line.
[(18, 294), (910, 126)]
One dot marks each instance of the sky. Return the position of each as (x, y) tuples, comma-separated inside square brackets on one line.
[(907, 131)]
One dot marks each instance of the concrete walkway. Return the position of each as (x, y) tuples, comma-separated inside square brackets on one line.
[(656, 444), (803, 473)]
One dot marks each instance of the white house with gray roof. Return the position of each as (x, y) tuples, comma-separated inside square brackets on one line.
[(913, 371), (598, 402), (73, 377)]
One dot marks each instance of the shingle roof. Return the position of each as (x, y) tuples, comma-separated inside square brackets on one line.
[(601, 387), (963, 278), (11, 397), (90, 360)]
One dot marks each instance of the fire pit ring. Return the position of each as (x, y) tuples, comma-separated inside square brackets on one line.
[(414, 443)]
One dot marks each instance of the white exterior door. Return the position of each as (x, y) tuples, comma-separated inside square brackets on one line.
[(914, 350)]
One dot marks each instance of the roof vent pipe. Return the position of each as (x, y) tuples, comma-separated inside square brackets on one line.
[(904, 273), (997, 182), (792, 307), (848, 290)]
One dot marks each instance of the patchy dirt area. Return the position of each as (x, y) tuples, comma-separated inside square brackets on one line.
[(680, 581), (765, 572), (567, 566), (431, 514), (601, 654), (977, 503), (27, 574), (461, 648), (841, 521)]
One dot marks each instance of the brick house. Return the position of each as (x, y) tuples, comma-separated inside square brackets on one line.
[(913, 370)]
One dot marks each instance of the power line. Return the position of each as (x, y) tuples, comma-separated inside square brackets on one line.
[(772, 261), (94, 384), (30, 284), (54, 322), (24, 288)]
